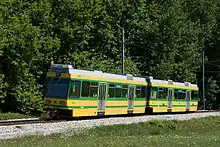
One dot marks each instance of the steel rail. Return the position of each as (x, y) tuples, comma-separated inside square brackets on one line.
[(23, 121)]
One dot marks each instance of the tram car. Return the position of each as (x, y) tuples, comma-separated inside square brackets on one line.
[(77, 93)]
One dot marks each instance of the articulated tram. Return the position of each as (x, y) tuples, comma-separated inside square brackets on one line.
[(75, 93)]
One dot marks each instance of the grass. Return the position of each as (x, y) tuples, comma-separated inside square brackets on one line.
[(9, 115), (196, 132)]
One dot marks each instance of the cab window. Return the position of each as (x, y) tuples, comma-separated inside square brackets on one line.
[(57, 88)]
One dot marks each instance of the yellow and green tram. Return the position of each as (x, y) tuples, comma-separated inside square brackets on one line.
[(75, 93)]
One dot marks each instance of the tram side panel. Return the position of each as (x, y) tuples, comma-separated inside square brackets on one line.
[(171, 99), (85, 96)]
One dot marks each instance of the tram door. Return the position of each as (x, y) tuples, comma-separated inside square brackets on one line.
[(170, 96), (102, 96), (131, 97), (187, 100)]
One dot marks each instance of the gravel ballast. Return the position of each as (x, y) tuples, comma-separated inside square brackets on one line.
[(13, 131)]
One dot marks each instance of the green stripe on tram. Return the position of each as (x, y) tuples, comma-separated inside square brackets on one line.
[(172, 105), (175, 100), (108, 99), (58, 106)]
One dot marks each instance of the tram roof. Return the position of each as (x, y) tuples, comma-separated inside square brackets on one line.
[(69, 69), (170, 82), (63, 68)]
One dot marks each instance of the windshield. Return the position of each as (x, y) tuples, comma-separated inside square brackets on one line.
[(57, 88)]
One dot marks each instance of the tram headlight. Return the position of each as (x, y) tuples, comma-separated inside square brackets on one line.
[(47, 101), (62, 102)]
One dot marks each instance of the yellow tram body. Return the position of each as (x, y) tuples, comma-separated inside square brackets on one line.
[(75, 93)]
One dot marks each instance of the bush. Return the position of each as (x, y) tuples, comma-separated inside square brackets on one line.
[(3, 86), (29, 97)]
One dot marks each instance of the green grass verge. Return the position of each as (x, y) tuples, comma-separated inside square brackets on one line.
[(6, 116), (196, 132)]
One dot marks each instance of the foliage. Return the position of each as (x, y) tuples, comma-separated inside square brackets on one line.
[(163, 39), (29, 100), (94, 61), (212, 92), (3, 87)]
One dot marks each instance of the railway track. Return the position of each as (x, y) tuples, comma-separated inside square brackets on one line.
[(23, 121), (46, 120)]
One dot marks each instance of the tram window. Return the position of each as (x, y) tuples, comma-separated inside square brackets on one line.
[(57, 88), (93, 89), (89, 89), (85, 88), (118, 91), (154, 93), (182, 94), (179, 94), (160, 93), (165, 92), (194, 94), (143, 91), (111, 90), (176, 94), (140, 91), (124, 91), (75, 89)]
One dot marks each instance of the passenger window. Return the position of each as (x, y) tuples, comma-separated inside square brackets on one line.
[(75, 89), (140, 91), (118, 91), (182, 94), (143, 91), (179, 94), (85, 88), (89, 89), (111, 90), (165, 92), (124, 91), (176, 94), (93, 89), (154, 93), (162, 93)]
